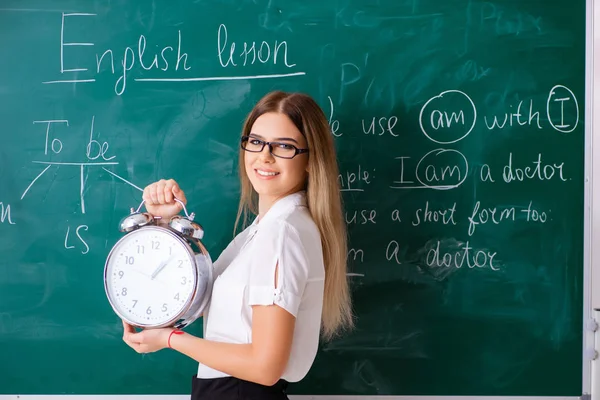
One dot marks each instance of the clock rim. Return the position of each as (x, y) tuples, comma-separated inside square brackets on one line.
[(191, 298)]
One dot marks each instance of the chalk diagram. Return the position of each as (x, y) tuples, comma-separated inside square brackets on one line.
[(94, 151)]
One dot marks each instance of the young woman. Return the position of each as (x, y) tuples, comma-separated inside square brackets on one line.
[(281, 283)]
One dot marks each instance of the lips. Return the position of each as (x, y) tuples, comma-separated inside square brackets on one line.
[(265, 173)]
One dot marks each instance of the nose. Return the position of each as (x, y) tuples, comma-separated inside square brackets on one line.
[(265, 154)]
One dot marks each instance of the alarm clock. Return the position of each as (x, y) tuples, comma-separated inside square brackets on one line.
[(158, 275)]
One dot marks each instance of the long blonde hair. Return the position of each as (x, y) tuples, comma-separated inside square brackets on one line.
[(322, 194)]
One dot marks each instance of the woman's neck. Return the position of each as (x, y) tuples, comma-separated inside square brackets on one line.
[(264, 205)]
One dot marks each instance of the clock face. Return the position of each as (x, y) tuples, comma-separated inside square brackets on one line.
[(150, 276)]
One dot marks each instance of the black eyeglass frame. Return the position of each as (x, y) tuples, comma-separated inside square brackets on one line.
[(270, 144)]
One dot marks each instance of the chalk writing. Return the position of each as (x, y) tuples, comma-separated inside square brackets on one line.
[(56, 145), (391, 251), (562, 110), (63, 43), (494, 215), (93, 151), (349, 75), (361, 217), (5, 214), (439, 169), (334, 124), (445, 119), (351, 180), (166, 58), (442, 169), (539, 171), (94, 145), (471, 71), (384, 124), (131, 54), (535, 215), (380, 93), (356, 254), (77, 232), (458, 255), (448, 117), (485, 174), (266, 53), (515, 118), (559, 98), (445, 216), (504, 23)]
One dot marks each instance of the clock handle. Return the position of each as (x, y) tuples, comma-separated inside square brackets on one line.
[(186, 225), (138, 209), (188, 216)]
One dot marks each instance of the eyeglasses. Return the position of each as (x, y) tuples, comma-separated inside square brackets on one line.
[(278, 149)]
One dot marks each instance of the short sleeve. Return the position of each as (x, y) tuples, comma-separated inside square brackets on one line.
[(278, 246)]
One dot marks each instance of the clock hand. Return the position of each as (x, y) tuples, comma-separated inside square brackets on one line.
[(160, 267)]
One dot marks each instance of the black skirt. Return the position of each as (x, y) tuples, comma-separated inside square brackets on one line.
[(230, 388)]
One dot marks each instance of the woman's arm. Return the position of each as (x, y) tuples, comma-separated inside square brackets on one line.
[(263, 361)]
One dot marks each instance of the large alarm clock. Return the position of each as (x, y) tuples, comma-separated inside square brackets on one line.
[(158, 274)]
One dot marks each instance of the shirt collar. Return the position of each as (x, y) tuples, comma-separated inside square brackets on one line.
[(281, 207)]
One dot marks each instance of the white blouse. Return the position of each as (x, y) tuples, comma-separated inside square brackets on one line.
[(245, 276)]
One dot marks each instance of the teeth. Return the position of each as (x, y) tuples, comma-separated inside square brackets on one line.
[(265, 173)]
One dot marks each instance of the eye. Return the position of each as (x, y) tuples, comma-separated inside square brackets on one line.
[(255, 141), (284, 146)]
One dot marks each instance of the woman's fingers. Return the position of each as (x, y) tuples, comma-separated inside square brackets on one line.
[(172, 191), (179, 193), (150, 194), (127, 328), (133, 345), (160, 191), (160, 196), (168, 193), (146, 194), (129, 333)]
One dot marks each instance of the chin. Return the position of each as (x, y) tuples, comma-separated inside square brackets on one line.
[(267, 189), (264, 191)]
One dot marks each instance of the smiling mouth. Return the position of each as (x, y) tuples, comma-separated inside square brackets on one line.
[(266, 173)]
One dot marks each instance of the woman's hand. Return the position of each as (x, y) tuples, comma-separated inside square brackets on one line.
[(146, 341), (159, 198)]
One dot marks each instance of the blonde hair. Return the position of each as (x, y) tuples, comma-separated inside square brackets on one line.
[(322, 194)]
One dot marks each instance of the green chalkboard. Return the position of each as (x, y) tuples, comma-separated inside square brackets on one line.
[(459, 127)]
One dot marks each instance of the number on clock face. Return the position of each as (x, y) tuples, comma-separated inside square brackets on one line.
[(150, 276)]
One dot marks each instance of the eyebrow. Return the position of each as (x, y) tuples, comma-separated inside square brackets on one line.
[(276, 139)]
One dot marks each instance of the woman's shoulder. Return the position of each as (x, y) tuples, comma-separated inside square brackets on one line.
[(296, 226)]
